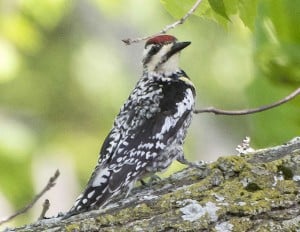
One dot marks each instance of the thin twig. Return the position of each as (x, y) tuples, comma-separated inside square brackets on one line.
[(49, 185), (167, 28), (46, 206), (249, 111)]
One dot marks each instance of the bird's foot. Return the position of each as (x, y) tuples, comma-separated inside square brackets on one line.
[(199, 164)]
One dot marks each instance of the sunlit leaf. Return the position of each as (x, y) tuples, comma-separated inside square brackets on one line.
[(219, 7), (248, 11), (178, 8), (231, 6)]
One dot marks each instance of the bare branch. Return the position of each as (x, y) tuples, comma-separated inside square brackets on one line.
[(167, 28), (249, 111), (46, 206), (49, 185)]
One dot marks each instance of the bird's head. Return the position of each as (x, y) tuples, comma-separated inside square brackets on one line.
[(161, 53)]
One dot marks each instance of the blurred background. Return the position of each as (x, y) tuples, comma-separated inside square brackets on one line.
[(65, 73)]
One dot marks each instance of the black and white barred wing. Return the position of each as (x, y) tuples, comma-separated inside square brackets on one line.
[(163, 132)]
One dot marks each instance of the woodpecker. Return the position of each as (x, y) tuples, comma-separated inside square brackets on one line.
[(149, 131)]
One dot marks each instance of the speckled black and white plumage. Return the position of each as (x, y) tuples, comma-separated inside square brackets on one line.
[(147, 134)]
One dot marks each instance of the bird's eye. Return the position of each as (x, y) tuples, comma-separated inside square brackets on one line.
[(154, 49), (150, 52)]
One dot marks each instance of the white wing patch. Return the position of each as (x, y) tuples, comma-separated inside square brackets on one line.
[(101, 177), (145, 145), (160, 145), (186, 104), (91, 194), (169, 121)]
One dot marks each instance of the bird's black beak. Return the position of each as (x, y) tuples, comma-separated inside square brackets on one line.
[(178, 46)]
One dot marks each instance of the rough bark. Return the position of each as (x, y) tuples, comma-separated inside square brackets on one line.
[(258, 191)]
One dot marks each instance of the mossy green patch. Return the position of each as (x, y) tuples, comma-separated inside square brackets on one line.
[(230, 164), (252, 187), (125, 215), (240, 224), (286, 172), (106, 219), (72, 228)]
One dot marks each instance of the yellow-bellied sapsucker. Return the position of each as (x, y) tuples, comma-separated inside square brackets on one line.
[(149, 131)]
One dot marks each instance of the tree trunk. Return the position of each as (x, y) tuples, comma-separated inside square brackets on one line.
[(258, 191)]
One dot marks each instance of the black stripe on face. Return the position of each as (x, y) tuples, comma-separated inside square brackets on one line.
[(154, 50)]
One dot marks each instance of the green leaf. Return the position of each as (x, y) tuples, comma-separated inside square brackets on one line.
[(178, 8), (248, 11), (205, 11), (219, 7), (231, 6), (215, 10)]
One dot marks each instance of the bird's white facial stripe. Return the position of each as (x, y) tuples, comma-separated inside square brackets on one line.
[(156, 60), (171, 65)]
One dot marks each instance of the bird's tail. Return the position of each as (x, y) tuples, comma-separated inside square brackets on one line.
[(95, 195), (104, 184)]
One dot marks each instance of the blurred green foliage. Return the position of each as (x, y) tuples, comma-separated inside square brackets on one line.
[(64, 74)]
